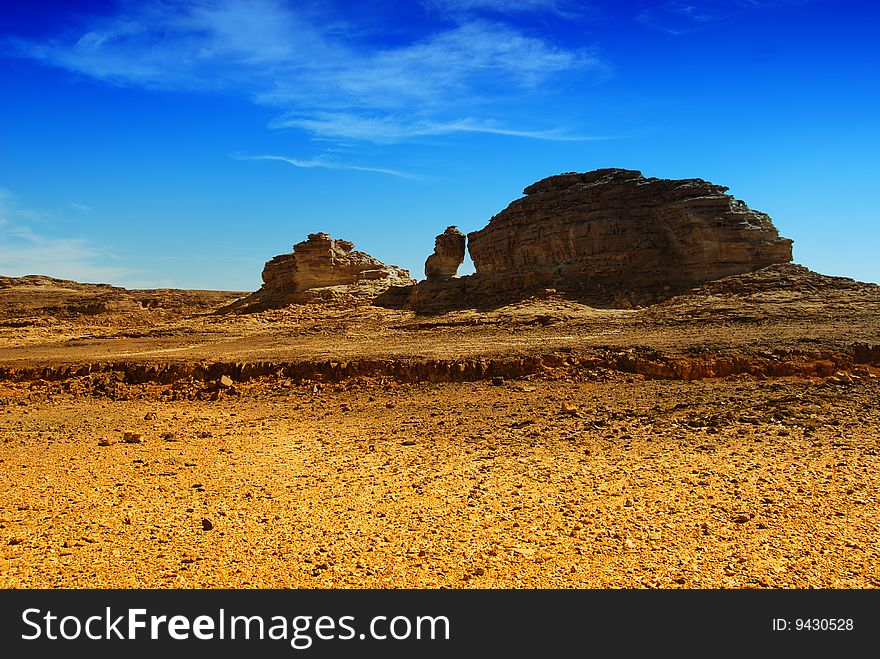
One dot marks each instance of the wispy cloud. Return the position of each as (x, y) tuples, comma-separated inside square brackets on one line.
[(384, 129), (26, 248), (324, 163), (495, 6), (492, 5), (302, 65), (85, 208), (679, 17)]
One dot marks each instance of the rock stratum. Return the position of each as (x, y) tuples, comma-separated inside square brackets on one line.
[(321, 268), (611, 237)]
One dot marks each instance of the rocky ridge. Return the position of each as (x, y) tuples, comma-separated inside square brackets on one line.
[(40, 301)]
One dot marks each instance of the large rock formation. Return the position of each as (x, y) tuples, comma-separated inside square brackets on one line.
[(609, 237), (616, 227), (322, 268), (448, 255)]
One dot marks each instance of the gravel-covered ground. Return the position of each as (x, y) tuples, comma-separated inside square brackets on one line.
[(590, 481)]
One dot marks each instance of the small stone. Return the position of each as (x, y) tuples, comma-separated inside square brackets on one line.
[(207, 525), (741, 518), (568, 408), (150, 416), (132, 437), (169, 436), (479, 572), (408, 442), (104, 442), (497, 381), (224, 382), (345, 407)]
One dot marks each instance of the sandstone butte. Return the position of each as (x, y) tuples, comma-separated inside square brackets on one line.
[(321, 268), (610, 237)]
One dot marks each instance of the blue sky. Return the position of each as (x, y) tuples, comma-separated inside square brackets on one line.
[(183, 143)]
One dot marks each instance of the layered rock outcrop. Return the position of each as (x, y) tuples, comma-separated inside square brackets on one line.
[(609, 237), (614, 227), (449, 248), (322, 268), (322, 261)]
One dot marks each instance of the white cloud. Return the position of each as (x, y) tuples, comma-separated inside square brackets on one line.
[(26, 249), (383, 129), (324, 163), (308, 69)]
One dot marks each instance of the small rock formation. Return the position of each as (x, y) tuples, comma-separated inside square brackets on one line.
[(610, 237), (448, 255), (322, 261), (321, 268)]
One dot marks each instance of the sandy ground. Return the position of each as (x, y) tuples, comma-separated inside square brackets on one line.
[(563, 484)]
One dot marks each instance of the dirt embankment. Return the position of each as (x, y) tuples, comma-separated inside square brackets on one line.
[(861, 360)]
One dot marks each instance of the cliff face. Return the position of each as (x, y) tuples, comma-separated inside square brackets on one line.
[(322, 268), (615, 228)]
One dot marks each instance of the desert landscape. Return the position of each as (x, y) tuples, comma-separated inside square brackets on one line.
[(636, 389)]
